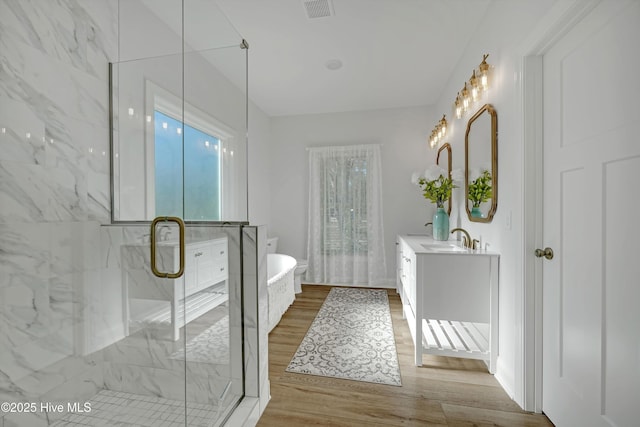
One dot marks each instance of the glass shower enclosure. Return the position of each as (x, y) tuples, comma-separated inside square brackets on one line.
[(136, 306)]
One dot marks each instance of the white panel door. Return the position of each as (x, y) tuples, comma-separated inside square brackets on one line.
[(591, 291)]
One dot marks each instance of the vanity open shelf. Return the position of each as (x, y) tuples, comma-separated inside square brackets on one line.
[(450, 298), (456, 339)]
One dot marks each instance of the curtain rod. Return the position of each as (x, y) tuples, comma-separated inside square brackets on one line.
[(340, 146)]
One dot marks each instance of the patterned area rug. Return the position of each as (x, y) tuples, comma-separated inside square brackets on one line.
[(211, 346), (351, 338)]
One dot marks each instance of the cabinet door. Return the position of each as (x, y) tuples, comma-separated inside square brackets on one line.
[(409, 273), (190, 273), (220, 266), (205, 266)]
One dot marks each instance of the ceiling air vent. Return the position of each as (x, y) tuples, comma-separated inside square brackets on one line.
[(318, 8)]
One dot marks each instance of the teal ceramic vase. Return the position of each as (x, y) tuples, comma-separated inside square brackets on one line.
[(440, 225), (476, 212)]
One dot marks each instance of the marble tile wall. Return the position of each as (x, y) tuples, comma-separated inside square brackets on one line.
[(54, 191), (256, 321)]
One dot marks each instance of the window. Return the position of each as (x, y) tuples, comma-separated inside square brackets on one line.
[(345, 242), (190, 158), (343, 201), (189, 155)]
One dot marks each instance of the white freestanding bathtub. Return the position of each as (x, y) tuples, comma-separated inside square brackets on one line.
[(280, 285)]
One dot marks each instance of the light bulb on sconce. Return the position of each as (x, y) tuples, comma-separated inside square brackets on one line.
[(465, 98), (484, 72), (458, 106), (475, 90), (443, 124)]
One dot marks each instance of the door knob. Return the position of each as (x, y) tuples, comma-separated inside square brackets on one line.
[(546, 252)]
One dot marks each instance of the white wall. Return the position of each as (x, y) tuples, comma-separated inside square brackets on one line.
[(505, 232), (259, 175), (402, 133)]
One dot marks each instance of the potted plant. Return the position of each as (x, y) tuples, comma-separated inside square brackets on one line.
[(480, 191), (436, 186)]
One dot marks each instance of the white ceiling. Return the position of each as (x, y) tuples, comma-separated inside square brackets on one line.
[(396, 53)]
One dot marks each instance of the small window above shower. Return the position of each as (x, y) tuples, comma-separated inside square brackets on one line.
[(178, 127)]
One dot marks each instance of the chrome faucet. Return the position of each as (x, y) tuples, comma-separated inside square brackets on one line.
[(466, 238)]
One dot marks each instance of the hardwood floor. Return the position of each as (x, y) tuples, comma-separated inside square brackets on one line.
[(444, 391)]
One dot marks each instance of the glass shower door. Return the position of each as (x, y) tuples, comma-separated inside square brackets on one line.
[(179, 111), (180, 362)]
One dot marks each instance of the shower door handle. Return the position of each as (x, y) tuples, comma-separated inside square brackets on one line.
[(154, 267)]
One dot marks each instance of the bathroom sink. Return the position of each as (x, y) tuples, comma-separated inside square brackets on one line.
[(443, 247)]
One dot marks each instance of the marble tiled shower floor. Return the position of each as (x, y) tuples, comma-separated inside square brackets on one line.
[(114, 408)]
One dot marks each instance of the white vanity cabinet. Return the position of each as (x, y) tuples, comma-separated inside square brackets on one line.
[(202, 287), (450, 298), (205, 265)]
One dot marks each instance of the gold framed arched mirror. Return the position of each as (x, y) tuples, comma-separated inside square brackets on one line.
[(481, 165), (444, 161)]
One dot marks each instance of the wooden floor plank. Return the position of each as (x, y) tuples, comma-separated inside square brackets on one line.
[(444, 391)]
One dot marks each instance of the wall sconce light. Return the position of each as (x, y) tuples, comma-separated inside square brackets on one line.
[(470, 93), (484, 72), (458, 106), (439, 132), (475, 87), (466, 98)]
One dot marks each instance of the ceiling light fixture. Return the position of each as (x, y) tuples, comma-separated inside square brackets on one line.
[(334, 64)]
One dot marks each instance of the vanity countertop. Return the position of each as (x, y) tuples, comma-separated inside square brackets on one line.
[(423, 244)]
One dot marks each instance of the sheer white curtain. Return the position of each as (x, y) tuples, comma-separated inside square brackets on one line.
[(345, 236)]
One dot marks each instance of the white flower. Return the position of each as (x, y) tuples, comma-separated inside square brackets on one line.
[(415, 177), (433, 172), (457, 175)]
